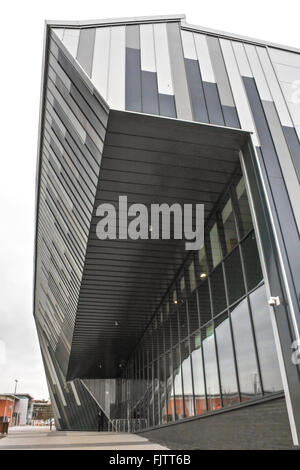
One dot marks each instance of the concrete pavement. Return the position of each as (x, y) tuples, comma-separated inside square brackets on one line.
[(41, 438)]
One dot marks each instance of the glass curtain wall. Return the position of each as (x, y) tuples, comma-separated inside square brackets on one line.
[(210, 345)]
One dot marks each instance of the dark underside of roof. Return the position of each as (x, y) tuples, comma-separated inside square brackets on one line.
[(150, 160)]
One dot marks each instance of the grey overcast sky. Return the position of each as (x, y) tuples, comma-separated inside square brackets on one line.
[(21, 39)]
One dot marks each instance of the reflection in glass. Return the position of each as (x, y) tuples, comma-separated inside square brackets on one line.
[(198, 376), (267, 353), (202, 264), (245, 352), (178, 392), (230, 233), (218, 290), (244, 208), (234, 276), (211, 370), (187, 379), (192, 276), (204, 303), (251, 261), (170, 389), (193, 312), (215, 245), (229, 386)]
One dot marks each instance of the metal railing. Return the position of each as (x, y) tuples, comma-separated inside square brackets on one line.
[(127, 425)]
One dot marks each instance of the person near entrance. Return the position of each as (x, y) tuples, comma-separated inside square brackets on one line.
[(100, 421)]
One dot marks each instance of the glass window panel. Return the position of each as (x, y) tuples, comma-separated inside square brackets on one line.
[(229, 386), (218, 290), (192, 276), (167, 334), (211, 370), (178, 392), (230, 233), (245, 352), (197, 364), (193, 312), (204, 303), (162, 390), (156, 393), (202, 264), (267, 353), (170, 388), (160, 339), (187, 379), (215, 245), (174, 327), (244, 208), (182, 286), (251, 261), (183, 323), (234, 276)]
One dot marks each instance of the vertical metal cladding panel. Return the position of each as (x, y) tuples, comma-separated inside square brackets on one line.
[(182, 97), (116, 77), (101, 60), (85, 50), (238, 90), (148, 70), (287, 68), (164, 75), (280, 196), (282, 149), (226, 98), (194, 77), (74, 129), (133, 88), (211, 93)]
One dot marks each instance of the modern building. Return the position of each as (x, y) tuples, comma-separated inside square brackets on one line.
[(17, 409), (197, 349)]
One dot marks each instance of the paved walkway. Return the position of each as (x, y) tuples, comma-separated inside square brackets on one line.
[(41, 438)]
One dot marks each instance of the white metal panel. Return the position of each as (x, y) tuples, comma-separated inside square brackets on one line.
[(258, 73), (295, 112), (284, 57), (204, 59), (70, 40), (164, 74), (59, 32), (298, 131), (78, 403), (286, 73), (242, 59), (274, 87), (188, 43), (238, 90), (116, 77), (147, 48), (100, 60), (291, 92)]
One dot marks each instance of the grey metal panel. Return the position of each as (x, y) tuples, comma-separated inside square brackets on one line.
[(220, 71), (133, 36), (294, 146), (231, 116), (149, 92), (182, 98), (284, 157), (213, 103), (196, 90), (133, 86), (167, 105), (85, 50)]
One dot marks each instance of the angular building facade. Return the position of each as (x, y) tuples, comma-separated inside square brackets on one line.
[(197, 349)]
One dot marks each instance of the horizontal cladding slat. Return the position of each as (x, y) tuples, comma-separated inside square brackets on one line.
[(120, 156), (156, 179), (167, 146)]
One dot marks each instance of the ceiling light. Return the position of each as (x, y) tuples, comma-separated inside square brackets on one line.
[(203, 275)]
